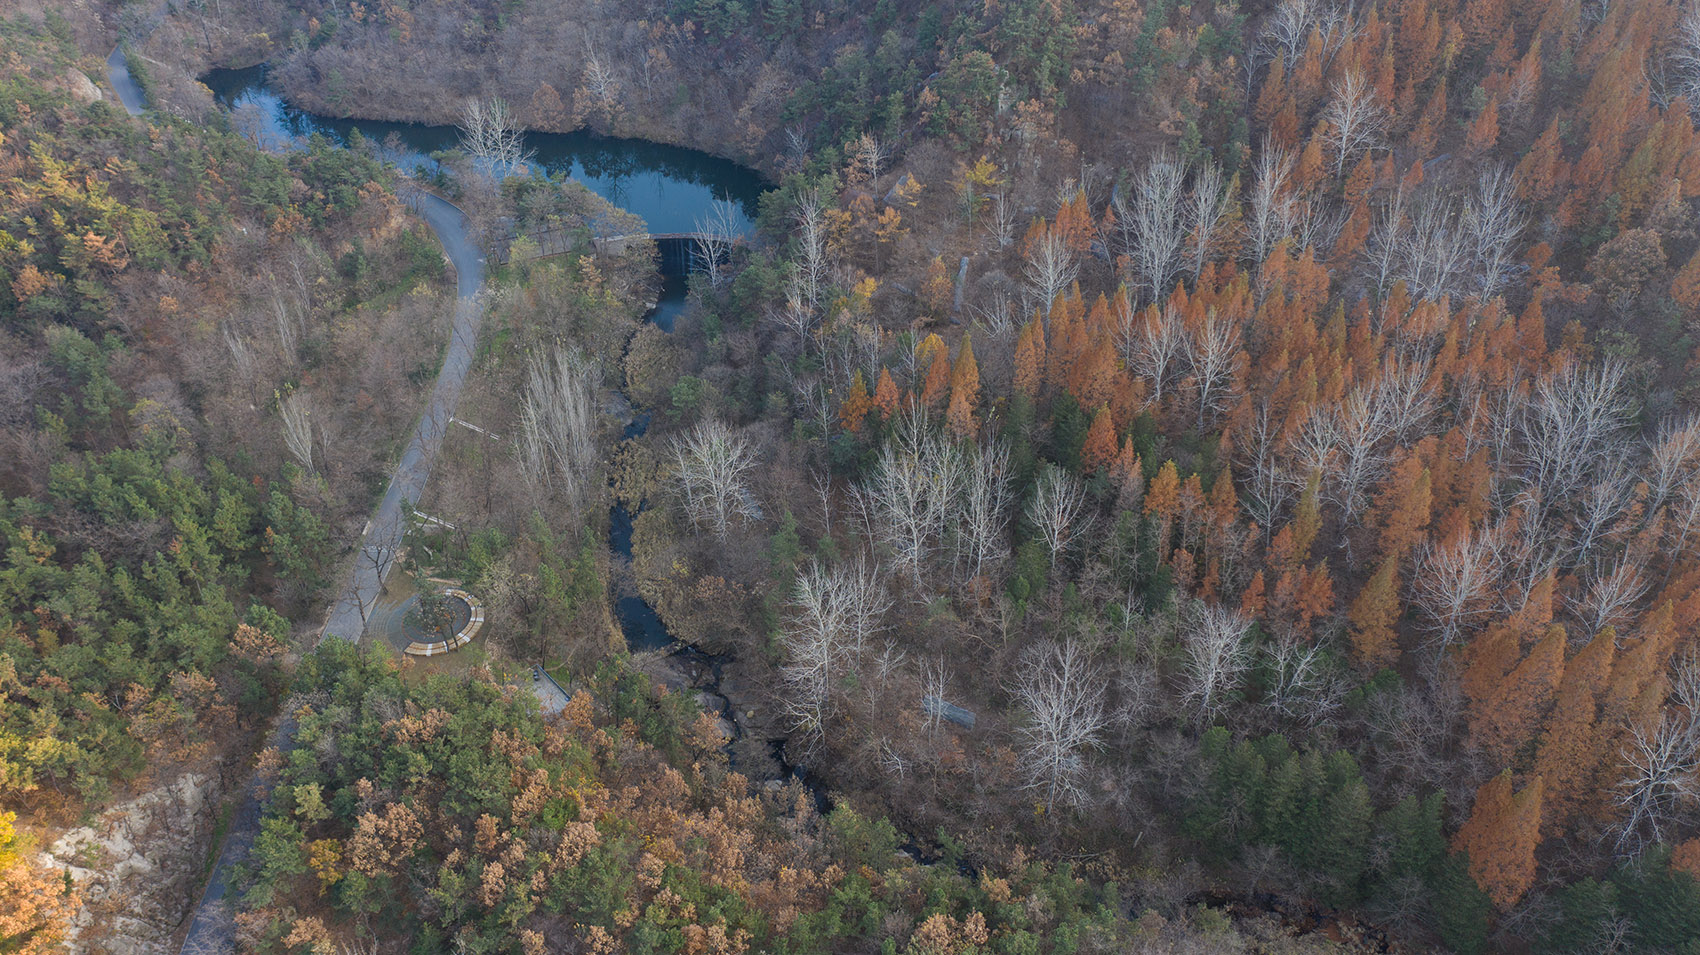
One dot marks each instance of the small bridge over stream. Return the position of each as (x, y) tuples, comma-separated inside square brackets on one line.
[(679, 250)]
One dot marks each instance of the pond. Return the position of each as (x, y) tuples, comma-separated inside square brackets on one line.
[(669, 186)]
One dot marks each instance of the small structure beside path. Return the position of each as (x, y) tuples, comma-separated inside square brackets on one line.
[(462, 637)]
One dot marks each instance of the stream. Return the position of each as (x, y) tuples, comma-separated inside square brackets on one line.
[(670, 188)]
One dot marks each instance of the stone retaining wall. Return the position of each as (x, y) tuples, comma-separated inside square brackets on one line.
[(474, 624)]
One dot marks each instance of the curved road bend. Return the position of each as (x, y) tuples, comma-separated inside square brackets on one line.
[(383, 535), (213, 929), (118, 74)]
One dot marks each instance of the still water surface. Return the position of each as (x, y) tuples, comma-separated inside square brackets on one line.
[(669, 186)]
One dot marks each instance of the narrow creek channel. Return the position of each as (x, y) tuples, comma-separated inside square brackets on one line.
[(671, 188)]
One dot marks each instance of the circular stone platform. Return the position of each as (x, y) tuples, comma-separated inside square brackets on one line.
[(466, 618)]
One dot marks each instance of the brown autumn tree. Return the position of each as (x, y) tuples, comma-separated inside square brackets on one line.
[(1484, 130), (1572, 748), (1501, 835), (1542, 170), (885, 395), (1099, 453), (965, 376), (935, 388), (1163, 501), (547, 109), (1402, 508), (937, 289), (35, 905), (1030, 360), (1373, 614), (1506, 715), (856, 404), (1685, 287), (960, 416)]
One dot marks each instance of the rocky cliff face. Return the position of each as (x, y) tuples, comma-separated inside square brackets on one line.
[(140, 866)]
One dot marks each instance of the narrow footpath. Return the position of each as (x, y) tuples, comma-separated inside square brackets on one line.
[(383, 535), (213, 929)]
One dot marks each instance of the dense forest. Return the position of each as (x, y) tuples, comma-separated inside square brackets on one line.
[(1178, 477), (170, 292)]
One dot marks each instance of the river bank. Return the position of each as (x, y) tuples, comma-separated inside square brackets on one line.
[(566, 67)]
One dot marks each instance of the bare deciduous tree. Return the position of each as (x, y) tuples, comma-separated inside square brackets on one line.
[(1493, 220), (1213, 351), (556, 443), (712, 464), (1154, 216), (1000, 219), (1673, 461), (834, 613), (796, 315), (600, 93), (1063, 696), (1288, 30), (811, 263), (913, 494), (1612, 595), (1571, 428), (1357, 120), (1384, 252), (1057, 509), (1217, 656), (1351, 444), (1274, 211), (717, 231), (1437, 248), (492, 137), (1153, 342), (1300, 686), (1683, 59), (1455, 582), (1603, 503), (1435, 259), (1660, 782), (296, 410), (870, 156), (1267, 488), (985, 509), (1206, 216), (935, 682), (1049, 269)]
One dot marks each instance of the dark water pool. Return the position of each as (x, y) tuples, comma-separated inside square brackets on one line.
[(669, 186)]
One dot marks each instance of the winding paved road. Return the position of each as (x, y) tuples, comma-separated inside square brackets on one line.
[(383, 535), (213, 928), (128, 90)]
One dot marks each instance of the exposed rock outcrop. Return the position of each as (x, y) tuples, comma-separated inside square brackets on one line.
[(140, 865), (81, 88)]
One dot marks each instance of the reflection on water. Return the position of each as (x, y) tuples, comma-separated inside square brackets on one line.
[(669, 186)]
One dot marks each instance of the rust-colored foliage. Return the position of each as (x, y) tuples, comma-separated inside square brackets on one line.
[(1501, 836), (1099, 452), (885, 395)]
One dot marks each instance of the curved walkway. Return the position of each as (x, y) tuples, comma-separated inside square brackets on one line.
[(213, 929), (462, 637), (118, 74), (383, 535)]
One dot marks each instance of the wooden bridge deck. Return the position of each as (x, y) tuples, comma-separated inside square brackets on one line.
[(559, 241)]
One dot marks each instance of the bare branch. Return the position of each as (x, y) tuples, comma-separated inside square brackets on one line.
[(1063, 696)]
